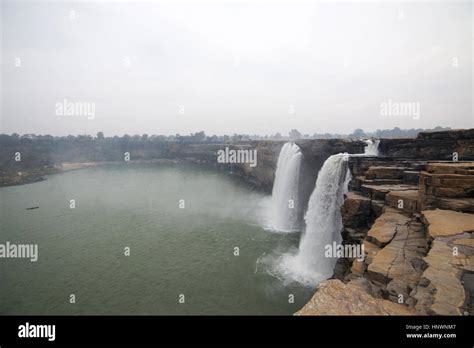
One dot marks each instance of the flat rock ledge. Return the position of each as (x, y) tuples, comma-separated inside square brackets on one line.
[(333, 297), (447, 223)]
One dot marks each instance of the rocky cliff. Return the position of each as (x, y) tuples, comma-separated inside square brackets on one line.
[(432, 145), (315, 152), (39, 159), (418, 258)]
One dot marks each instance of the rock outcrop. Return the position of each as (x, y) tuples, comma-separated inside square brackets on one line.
[(432, 145), (315, 152), (334, 297), (418, 258), (447, 186)]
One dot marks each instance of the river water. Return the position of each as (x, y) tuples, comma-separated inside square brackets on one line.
[(182, 224)]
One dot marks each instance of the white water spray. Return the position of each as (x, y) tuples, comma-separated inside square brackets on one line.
[(372, 148), (284, 203), (323, 225)]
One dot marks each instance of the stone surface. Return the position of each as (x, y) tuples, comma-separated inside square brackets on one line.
[(401, 259), (333, 297), (363, 181), (465, 205), (358, 267), (411, 177), (385, 227), (378, 192), (382, 172), (463, 168), (444, 294), (468, 242), (408, 200), (447, 186), (356, 210), (445, 223), (370, 250)]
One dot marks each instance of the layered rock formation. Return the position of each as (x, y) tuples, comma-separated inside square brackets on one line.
[(432, 145), (418, 258), (447, 186)]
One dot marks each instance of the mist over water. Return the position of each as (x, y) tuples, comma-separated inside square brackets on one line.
[(173, 251)]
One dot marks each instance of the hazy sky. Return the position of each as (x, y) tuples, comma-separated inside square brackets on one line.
[(235, 67)]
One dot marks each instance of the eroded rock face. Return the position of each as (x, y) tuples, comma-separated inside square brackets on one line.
[(406, 201), (356, 210), (380, 172), (443, 294), (432, 145), (334, 297), (262, 176), (447, 186), (451, 255), (399, 264)]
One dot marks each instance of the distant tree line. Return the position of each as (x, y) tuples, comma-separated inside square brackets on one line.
[(41, 151)]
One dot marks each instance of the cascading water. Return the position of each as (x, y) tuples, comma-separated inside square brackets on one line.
[(323, 225), (372, 148), (284, 203), (323, 217)]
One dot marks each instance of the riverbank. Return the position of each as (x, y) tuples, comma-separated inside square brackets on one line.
[(28, 176), (39, 174)]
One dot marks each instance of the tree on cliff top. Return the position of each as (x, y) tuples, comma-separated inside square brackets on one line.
[(294, 134)]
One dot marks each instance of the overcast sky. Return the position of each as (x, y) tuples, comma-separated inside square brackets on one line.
[(241, 67)]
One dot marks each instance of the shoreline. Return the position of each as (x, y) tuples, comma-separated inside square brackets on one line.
[(38, 174)]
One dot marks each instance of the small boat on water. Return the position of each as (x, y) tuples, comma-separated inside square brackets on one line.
[(31, 208)]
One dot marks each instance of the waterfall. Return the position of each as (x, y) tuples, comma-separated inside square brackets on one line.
[(372, 148), (323, 224), (284, 203), (323, 217)]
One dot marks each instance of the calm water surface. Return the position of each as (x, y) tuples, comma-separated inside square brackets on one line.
[(173, 251)]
